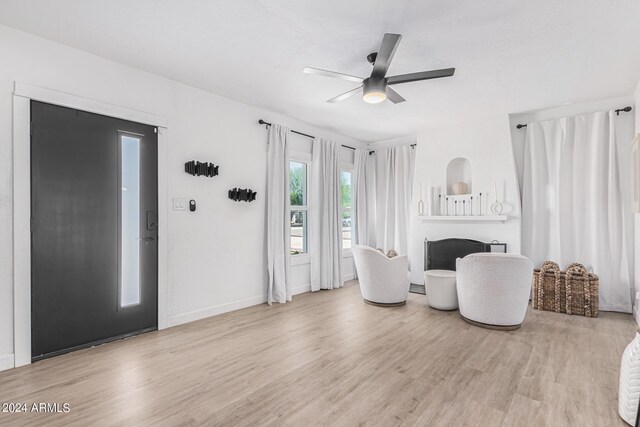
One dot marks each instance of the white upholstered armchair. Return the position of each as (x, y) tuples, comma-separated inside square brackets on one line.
[(493, 289), (383, 281)]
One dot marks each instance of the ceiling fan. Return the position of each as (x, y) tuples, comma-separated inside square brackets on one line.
[(375, 88)]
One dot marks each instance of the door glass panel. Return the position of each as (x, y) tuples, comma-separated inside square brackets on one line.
[(130, 220)]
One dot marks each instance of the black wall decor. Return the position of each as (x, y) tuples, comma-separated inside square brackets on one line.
[(201, 169), (242, 195)]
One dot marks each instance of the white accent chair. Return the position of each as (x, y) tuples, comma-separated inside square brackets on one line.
[(383, 281), (494, 289)]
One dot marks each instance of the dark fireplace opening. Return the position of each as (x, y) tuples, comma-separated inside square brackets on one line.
[(442, 254)]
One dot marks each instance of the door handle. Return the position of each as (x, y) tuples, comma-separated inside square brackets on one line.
[(147, 239), (152, 220)]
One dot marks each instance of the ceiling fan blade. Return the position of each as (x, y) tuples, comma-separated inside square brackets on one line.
[(423, 75), (344, 95), (385, 54), (394, 96), (319, 72)]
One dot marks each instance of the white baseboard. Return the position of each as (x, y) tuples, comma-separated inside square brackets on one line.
[(192, 316), (635, 314), (6, 362), (203, 313), (302, 289), (307, 287)]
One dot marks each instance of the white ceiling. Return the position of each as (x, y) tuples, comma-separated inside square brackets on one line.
[(510, 55)]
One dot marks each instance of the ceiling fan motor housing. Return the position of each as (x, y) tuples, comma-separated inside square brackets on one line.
[(374, 89)]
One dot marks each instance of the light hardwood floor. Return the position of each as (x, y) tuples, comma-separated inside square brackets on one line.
[(330, 359)]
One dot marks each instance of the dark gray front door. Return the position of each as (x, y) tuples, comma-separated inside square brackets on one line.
[(94, 238)]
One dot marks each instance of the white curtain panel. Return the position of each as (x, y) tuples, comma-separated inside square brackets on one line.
[(371, 200), (325, 231), (572, 207), (394, 183), (361, 214), (278, 222)]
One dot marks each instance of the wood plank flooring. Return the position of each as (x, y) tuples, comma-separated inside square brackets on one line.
[(329, 359)]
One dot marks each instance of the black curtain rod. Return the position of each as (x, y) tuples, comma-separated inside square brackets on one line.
[(618, 111), (267, 124)]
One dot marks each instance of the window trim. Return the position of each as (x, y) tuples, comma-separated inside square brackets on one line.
[(304, 158), (300, 259)]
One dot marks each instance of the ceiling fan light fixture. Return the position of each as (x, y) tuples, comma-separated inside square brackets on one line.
[(374, 97), (374, 90)]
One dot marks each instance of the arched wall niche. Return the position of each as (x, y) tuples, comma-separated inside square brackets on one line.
[(459, 171)]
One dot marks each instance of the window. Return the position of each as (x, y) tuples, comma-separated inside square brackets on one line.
[(130, 220), (298, 173), (345, 190)]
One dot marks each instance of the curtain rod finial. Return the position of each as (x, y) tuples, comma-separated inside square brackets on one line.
[(625, 109)]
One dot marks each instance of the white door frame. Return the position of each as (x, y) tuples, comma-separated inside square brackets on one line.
[(22, 95)]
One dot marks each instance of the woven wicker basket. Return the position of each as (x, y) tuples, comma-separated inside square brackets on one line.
[(573, 292)]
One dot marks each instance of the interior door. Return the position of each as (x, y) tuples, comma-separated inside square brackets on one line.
[(94, 234)]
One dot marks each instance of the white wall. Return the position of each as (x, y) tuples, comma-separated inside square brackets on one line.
[(485, 140), (216, 255)]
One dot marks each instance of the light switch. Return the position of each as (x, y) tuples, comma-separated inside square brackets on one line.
[(180, 204)]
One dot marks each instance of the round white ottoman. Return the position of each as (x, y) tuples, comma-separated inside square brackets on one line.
[(440, 286)]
